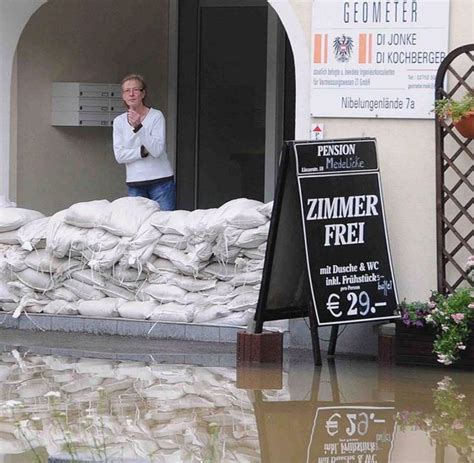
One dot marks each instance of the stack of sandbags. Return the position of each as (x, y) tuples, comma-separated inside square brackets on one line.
[(126, 258)]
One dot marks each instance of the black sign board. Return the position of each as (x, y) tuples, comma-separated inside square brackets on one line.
[(327, 249)]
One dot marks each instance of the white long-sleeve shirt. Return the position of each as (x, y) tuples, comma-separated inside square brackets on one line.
[(127, 146)]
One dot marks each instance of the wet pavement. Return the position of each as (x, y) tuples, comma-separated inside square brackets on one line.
[(87, 398)]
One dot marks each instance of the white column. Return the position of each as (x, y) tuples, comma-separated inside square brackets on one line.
[(14, 15)]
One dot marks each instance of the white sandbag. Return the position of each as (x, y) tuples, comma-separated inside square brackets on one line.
[(228, 255), (266, 209), (103, 260), (253, 237), (90, 277), (113, 290), (61, 293), (126, 215), (127, 274), (224, 272), (63, 239), (206, 314), (246, 289), (137, 310), (87, 214), (196, 228), (222, 288), (243, 302), (43, 261), (107, 307), (6, 295), (240, 213), (15, 257), (247, 278), (98, 240), (173, 312), (164, 293), (5, 202), (8, 306), (159, 265), (201, 251), (192, 298), (12, 218), (189, 283), (9, 237), (83, 290), (141, 245), (20, 289), (255, 253), (235, 318), (245, 264), (60, 307), (171, 222), (185, 263), (33, 234), (173, 240), (35, 280)]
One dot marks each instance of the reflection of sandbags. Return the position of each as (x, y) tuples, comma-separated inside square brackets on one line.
[(173, 312), (136, 309), (81, 384), (107, 307), (83, 290), (12, 218)]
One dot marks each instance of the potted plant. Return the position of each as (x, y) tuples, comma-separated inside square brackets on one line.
[(460, 112), (445, 322)]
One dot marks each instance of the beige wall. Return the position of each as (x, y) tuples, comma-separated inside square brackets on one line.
[(80, 41)]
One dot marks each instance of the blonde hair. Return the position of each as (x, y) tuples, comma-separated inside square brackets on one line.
[(140, 79)]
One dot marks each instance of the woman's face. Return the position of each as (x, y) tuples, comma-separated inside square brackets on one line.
[(133, 93)]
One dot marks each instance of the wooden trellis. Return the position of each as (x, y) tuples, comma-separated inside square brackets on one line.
[(454, 168)]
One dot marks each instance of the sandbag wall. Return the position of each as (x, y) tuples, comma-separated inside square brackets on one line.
[(127, 258)]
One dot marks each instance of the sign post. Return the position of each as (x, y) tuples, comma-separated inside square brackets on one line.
[(327, 254)]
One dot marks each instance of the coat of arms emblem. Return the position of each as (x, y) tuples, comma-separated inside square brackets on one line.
[(342, 47)]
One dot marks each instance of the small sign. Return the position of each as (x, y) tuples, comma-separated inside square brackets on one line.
[(317, 132)]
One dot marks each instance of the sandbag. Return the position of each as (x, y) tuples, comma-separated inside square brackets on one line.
[(33, 234), (224, 272), (9, 237), (107, 307), (206, 314), (43, 261), (87, 214), (247, 278), (235, 318), (113, 290), (173, 312), (164, 293), (126, 215), (6, 295), (266, 209), (63, 239), (137, 310), (253, 237), (90, 277), (187, 283), (35, 280), (61, 293), (14, 257), (171, 222), (83, 290), (243, 302), (173, 240), (60, 307), (12, 218)]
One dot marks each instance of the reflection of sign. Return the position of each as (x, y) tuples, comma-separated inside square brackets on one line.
[(343, 222), (359, 434), (384, 57)]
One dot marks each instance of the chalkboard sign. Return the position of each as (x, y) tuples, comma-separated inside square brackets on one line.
[(327, 249)]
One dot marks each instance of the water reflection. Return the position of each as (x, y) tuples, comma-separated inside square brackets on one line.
[(89, 409)]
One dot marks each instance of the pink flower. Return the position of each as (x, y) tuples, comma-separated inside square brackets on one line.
[(457, 317), (471, 306)]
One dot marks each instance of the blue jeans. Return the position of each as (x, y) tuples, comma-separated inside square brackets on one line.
[(163, 193)]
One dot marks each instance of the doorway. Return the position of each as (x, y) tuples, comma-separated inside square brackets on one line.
[(225, 120)]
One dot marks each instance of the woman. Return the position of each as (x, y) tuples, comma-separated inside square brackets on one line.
[(140, 144)]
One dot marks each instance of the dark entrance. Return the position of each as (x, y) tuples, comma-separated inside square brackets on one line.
[(223, 100)]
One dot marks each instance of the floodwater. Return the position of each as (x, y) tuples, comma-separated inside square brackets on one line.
[(61, 409)]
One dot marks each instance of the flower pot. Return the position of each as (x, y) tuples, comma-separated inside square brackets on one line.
[(414, 346), (465, 125)]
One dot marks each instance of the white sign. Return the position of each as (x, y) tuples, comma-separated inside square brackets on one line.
[(377, 58)]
